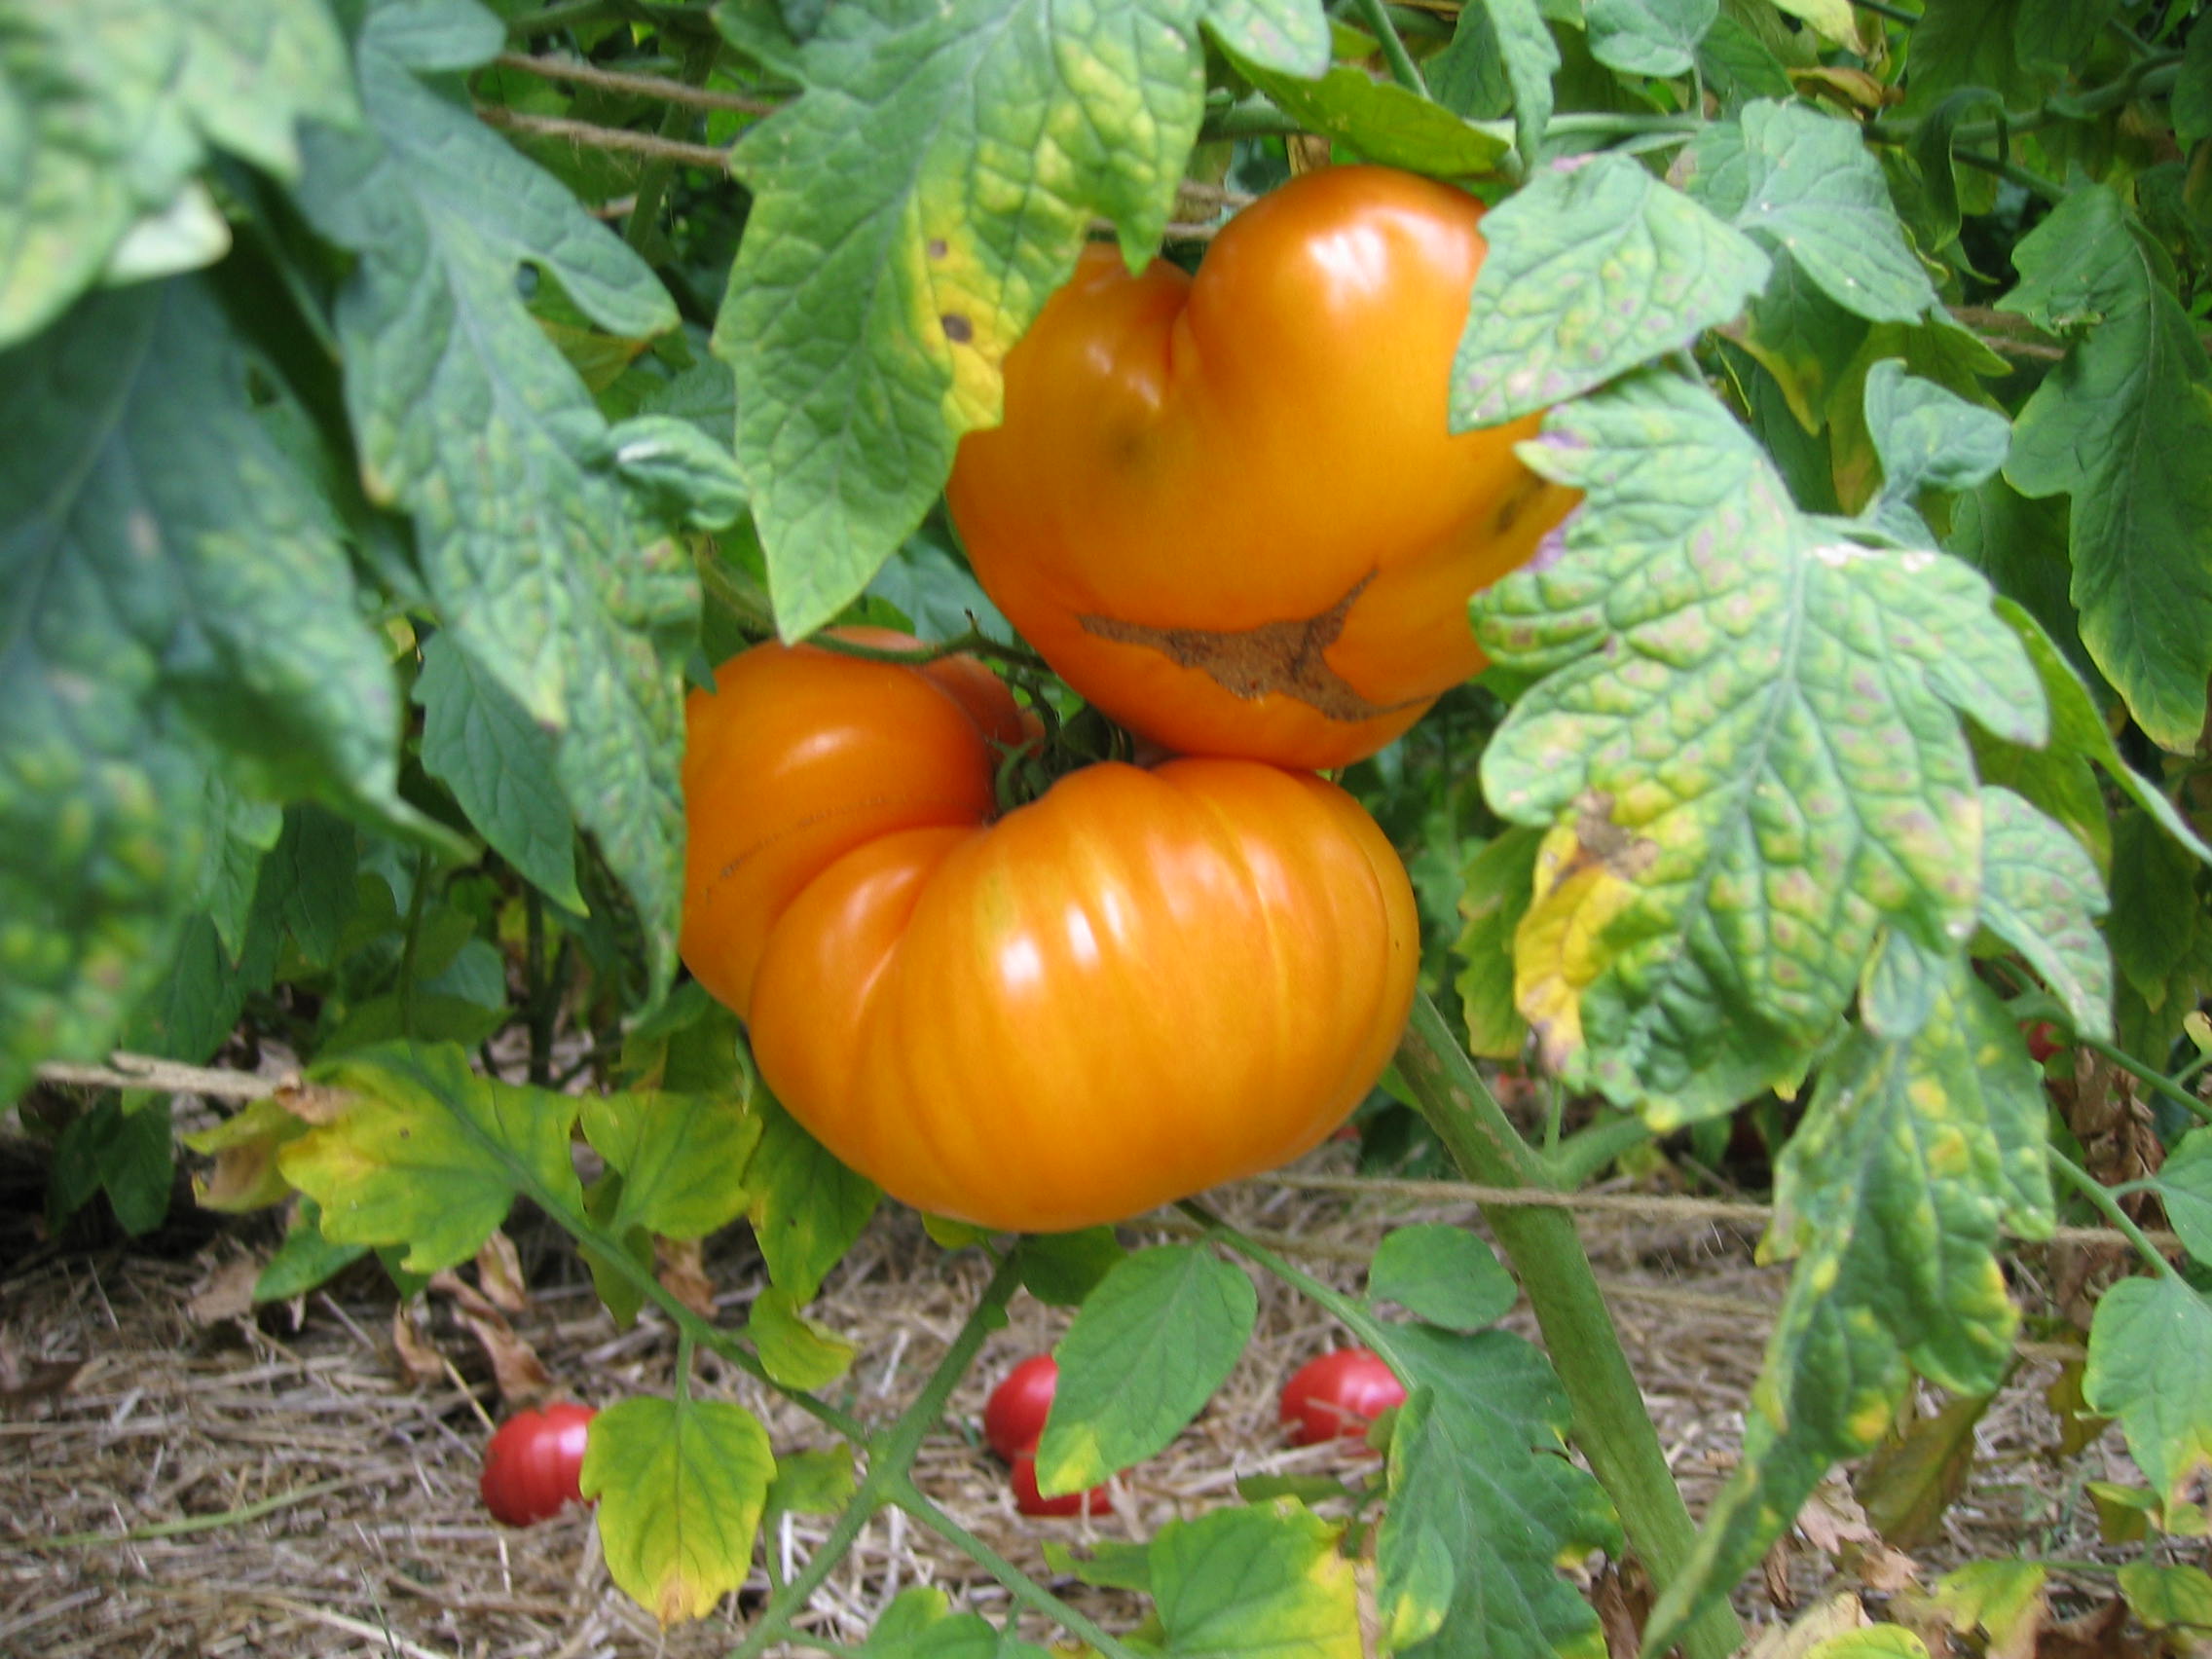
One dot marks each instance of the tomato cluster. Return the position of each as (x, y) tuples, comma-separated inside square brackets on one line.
[(1228, 511), (1014, 1419)]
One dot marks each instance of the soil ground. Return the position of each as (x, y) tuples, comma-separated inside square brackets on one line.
[(179, 1478)]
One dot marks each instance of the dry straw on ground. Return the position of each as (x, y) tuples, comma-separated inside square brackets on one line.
[(246, 1486)]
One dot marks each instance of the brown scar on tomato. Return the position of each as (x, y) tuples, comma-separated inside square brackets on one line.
[(1275, 660), (1518, 501)]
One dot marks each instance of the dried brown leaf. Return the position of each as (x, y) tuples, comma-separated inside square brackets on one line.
[(681, 1266), (418, 1358)]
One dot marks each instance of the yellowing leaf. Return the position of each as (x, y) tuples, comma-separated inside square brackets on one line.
[(1556, 950), (680, 1485), (681, 1157), (797, 1351), (245, 1147), (1263, 1580), (430, 1154), (2002, 1599)]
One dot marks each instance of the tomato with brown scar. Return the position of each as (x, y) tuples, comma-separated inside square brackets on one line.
[(1226, 509)]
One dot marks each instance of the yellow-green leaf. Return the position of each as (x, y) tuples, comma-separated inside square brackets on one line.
[(2002, 1599), (244, 1147), (2168, 1597), (680, 1485), (1262, 1581), (430, 1153), (682, 1158), (797, 1351)]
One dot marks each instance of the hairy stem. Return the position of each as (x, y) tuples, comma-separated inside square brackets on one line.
[(1610, 1424), (1403, 69)]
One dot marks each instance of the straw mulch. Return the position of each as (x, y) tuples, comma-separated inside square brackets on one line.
[(180, 1479)]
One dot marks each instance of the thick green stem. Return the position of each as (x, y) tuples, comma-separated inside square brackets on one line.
[(2148, 78), (642, 232), (2101, 1196), (1610, 1424)]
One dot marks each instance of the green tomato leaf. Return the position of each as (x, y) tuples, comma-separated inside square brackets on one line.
[(1747, 755), (2185, 1187), (689, 475), (1648, 37), (1144, 1352), (1529, 57), (469, 418), (680, 1485), (1288, 36), (430, 1154), (2192, 102), (1494, 897), (1254, 1583), (1970, 43), (1928, 438), (795, 1351), (2151, 934), (2151, 1367), (180, 608), (306, 1259), (111, 106), (1061, 1269), (1740, 66), (2040, 895), (131, 1155), (1484, 1506), (499, 764), (910, 215), (919, 1624), (1589, 272), (1385, 122), (1802, 337), (681, 1157), (1932, 149), (1893, 1193), (812, 1482), (2168, 1597), (1443, 1275), (806, 1208), (2078, 728), (1815, 192), (2124, 426)]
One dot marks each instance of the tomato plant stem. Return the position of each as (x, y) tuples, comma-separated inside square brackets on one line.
[(643, 231), (1610, 1424), (1403, 69), (890, 1459), (2103, 1197)]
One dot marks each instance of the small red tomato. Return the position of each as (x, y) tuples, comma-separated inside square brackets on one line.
[(1028, 1500), (1014, 1415), (531, 1464), (2042, 1041), (1338, 1394)]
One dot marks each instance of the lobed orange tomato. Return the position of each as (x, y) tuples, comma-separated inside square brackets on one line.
[(1226, 509), (1139, 985)]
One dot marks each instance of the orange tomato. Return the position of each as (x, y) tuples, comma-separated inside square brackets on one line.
[(1226, 509), (1137, 987)]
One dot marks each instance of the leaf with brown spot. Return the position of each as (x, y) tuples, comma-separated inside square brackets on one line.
[(245, 1147), (1919, 1472)]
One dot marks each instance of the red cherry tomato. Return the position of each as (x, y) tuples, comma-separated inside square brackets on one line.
[(1028, 1500), (531, 1464), (2042, 1041), (1338, 1394), (1014, 1415)]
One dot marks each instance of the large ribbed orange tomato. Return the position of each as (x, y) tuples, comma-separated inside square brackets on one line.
[(1140, 984), (1226, 509)]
